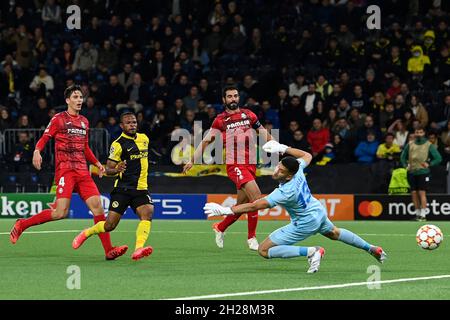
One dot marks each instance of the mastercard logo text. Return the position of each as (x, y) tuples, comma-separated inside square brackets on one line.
[(370, 208)]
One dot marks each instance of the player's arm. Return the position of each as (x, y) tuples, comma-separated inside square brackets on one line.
[(50, 132), (275, 147), (113, 167), (209, 138), (114, 164), (215, 209)]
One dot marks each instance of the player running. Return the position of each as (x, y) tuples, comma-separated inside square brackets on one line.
[(128, 158), (235, 123), (70, 131), (308, 216)]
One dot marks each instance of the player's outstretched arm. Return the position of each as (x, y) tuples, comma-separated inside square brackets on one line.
[(300, 154), (199, 151), (213, 209), (275, 147)]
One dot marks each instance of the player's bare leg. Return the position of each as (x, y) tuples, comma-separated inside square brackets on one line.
[(111, 253), (145, 213), (416, 200), (60, 212)]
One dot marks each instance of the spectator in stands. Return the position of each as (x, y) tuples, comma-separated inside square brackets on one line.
[(332, 100), (39, 116), (22, 153), (42, 84), (445, 138), (113, 128), (323, 87), (138, 94), (108, 58), (143, 126), (63, 60), (281, 102), (369, 125), (331, 119), (298, 87), (299, 141), (288, 135), (191, 100), (419, 111), (126, 76), (342, 152), (366, 150), (387, 117), (114, 95), (394, 89), (441, 116), (318, 137), (388, 150), (343, 110), (5, 120), (359, 100), (417, 63), (269, 114), (398, 129), (342, 128), (85, 58), (24, 122), (51, 15), (91, 112)]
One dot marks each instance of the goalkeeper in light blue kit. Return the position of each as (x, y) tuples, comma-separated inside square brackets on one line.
[(308, 216)]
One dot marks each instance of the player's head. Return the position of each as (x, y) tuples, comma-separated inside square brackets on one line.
[(128, 123), (286, 169), (74, 97), (230, 97), (419, 132)]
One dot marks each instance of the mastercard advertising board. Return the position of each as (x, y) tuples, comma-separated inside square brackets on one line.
[(339, 207), (385, 207)]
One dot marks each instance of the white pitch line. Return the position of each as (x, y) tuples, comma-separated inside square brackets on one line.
[(199, 232), (335, 286), (202, 232)]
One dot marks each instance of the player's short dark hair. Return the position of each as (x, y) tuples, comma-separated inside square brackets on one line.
[(228, 88), (291, 164), (71, 89), (126, 113)]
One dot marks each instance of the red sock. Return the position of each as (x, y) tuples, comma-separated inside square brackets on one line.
[(40, 218), (105, 238), (229, 220), (252, 219)]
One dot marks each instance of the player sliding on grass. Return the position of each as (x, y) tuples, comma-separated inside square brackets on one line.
[(70, 131), (128, 157), (236, 125), (308, 216)]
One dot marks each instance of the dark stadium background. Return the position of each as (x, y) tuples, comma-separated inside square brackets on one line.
[(326, 45)]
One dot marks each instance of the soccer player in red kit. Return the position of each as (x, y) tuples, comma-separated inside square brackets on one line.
[(234, 124), (70, 131)]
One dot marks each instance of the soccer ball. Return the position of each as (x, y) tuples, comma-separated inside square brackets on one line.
[(429, 237)]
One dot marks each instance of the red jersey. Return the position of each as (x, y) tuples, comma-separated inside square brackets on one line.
[(71, 141), (235, 129)]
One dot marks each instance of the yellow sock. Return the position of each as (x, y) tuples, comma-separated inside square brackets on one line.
[(142, 233), (98, 228)]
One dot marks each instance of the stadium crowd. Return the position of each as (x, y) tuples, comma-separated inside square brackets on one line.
[(309, 68)]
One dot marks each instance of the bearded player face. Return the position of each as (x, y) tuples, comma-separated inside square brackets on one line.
[(231, 99)]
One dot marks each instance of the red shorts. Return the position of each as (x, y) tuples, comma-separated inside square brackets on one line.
[(69, 181), (240, 174)]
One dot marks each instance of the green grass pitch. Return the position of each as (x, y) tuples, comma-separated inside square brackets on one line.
[(186, 263)]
